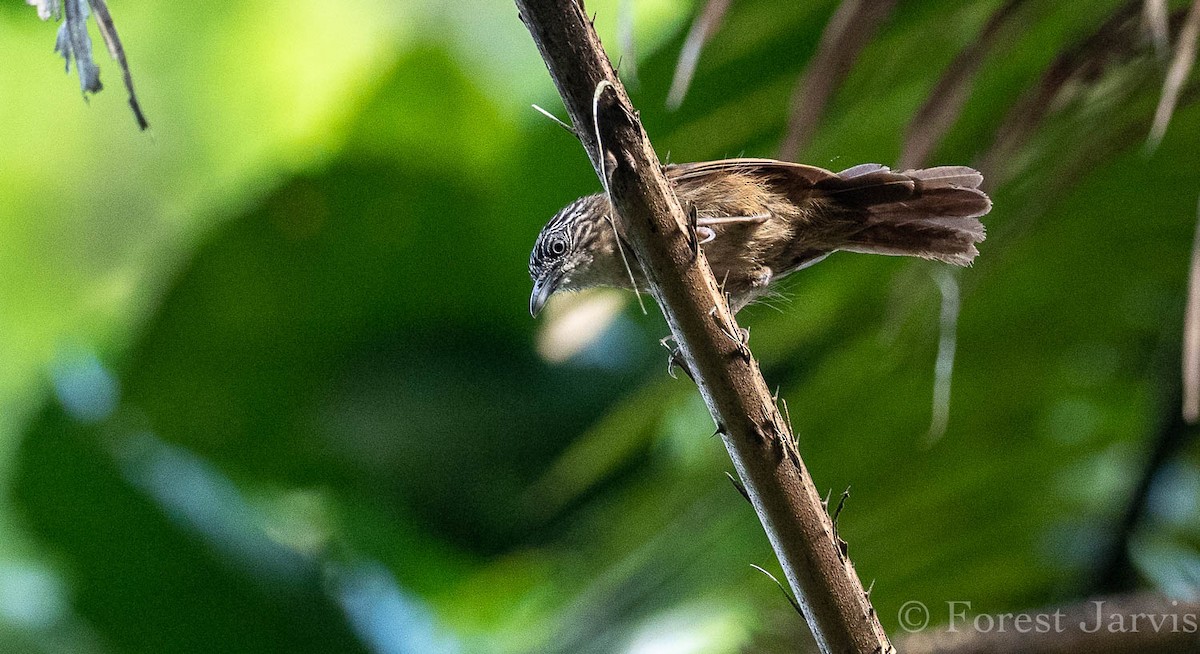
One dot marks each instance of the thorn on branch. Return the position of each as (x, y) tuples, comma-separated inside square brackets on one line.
[(792, 452), (843, 546), (676, 360), (789, 447), (841, 505), (769, 420), (791, 600), (741, 488), (720, 431), (739, 335), (693, 239), (759, 433), (557, 121)]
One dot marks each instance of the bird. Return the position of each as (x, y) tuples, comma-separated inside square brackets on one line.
[(759, 220)]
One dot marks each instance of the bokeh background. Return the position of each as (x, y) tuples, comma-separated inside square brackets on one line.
[(268, 382)]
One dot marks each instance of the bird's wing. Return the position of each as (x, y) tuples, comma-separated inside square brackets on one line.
[(782, 171), (931, 213), (859, 186), (862, 184)]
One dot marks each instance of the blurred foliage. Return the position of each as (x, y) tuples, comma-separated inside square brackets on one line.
[(270, 383)]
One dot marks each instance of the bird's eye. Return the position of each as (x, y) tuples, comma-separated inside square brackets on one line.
[(558, 246)]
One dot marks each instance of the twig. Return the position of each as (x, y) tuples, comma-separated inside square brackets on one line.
[(707, 22), (1191, 337), (947, 282), (1083, 61), (626, 41), (946, 100), (1177, 74), (801, 533), (850, 29), (1115, 572), (74, 44), (1157, 27), (108, 31)]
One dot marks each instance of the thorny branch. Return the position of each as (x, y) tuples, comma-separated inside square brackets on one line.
[(758, 440)]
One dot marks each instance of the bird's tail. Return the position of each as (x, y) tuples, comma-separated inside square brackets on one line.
[(931, 213)]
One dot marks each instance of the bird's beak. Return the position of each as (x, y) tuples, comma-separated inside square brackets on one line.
[(543, 287)]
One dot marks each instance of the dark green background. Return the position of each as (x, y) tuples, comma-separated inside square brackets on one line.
[(268, 382)]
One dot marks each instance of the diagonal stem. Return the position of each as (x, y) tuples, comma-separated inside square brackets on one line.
[(813, 558), (850, 29)]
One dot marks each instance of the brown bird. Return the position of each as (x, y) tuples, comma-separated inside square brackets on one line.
[(759, 220)]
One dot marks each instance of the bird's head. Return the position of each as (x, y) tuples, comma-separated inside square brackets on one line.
[(565, 254)]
